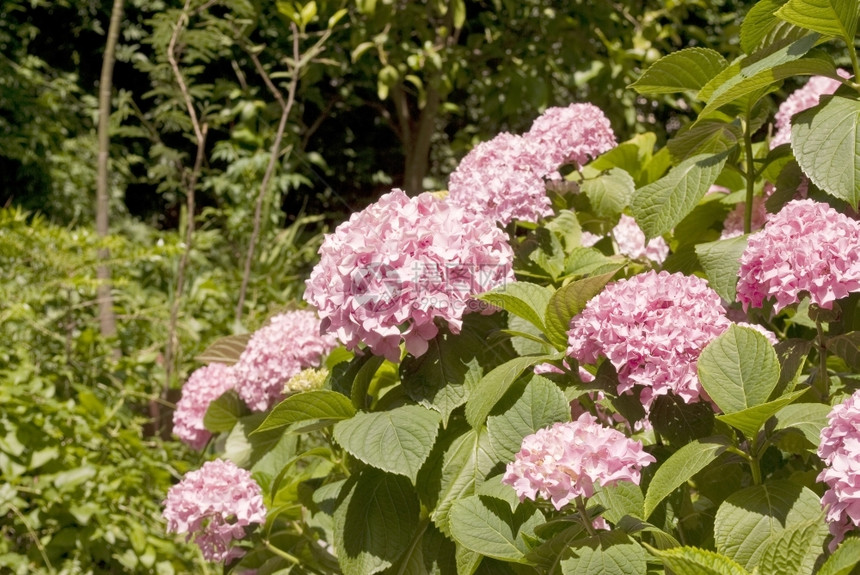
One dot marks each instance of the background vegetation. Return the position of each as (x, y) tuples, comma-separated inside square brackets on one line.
[(239, 132)]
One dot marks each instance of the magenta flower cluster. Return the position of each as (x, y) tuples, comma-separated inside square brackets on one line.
[(212, 506), (652, 328), (808, 247), (203, 386), (840, 450), (565, 461), (504, 178), (800, 100), (393, 270), (287, 344)]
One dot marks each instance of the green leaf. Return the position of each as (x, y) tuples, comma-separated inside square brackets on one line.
[(829, 17), (363, 378), (493, 386), (792, 355), (631, 525), (622, 499), (721, 261), (319, 404), (846, 346), (610, 192), (795, 550), (567, 302), (398, 440), (631, 156), (244, 448), (844, 559), (522, 299), (659, 206), (738, 369), (807, 418), (705, 137), (223, 413), (680, 468), (748, 520), (695, 561), (430, 553), (607, 553), (826, 142), (464, 468), (374, 523), (758, 23), (541, 404), (751, 419), (225, 350), (686, 70), (488, 526), (764, 73)]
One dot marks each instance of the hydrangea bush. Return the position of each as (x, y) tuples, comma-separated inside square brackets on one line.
[(577, 360)]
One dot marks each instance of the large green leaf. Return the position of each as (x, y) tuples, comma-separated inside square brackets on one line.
[(223, 413), (751, 419), (607, 553), (464, 468), (429, 553), (758, 23), (488, 526), (844, 559), (738, 369), (748, 520), (795, 550), (225, 349), (568, 301), (622, 499), (397, 440), (659, 206), (826, 142), (808, 419), (706, 137), (846, 346), (523, 299), (375, 522), (495, 384), (541, 404), (829, 17), (610, 192), (695, 561), (319, 404), (680, 468), (721, 261), (686, 70)]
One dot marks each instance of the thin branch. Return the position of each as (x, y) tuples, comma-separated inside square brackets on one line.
[(273, 159)]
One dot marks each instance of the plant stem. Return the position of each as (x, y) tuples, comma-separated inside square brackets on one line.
[(283, 554), (823, 380), (749, 173), (583, 513)]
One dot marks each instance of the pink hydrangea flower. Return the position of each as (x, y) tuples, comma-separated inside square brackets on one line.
[(503, 179), (630, 240), (840, 450), (800, 100), (566, 460), (572, 135), (808, 247), (393, 270), (652, 328), (204, 386), (289, 343), (213, 505)]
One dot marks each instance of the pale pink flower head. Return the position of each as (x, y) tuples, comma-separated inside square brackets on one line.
[(800, 100), (652, 328), (395, 269), (808, 247), (287, 344), (566, 460), (204, 385), (572, 135), (840, 450), (212, 506), (503, 179), (630, 240)]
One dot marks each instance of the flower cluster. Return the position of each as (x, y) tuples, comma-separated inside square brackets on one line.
[(572, 135), (393, 269), (306, 380), (808, 247), (840, 450), (213, 505), (800, 100), (652, 328), (630, 240), (503, 178), (565, 461), (289, 343), (204, 386)]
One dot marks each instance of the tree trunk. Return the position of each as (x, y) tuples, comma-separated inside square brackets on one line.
[(107, 318)]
